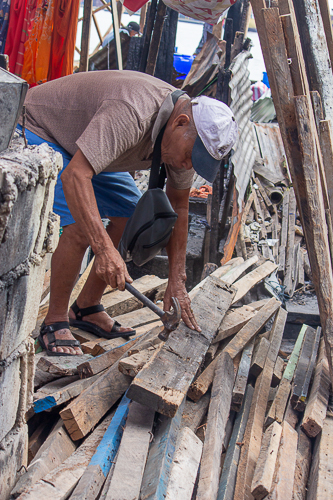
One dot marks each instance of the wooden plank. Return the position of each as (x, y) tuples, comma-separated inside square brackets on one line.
[(88, 347), (263, 475), (62, 365), (279, 404), (233, 321), (284, 232), (286, 464), (157, 471), (253, 433), (128, 471), (303, 461), (83, 336), (60, 391), (184, 467), (239, 389), (59, 483), (300, 406), (302, 368), (201, 385), (278, 372), (194, 413), (57, 447), (321, 478), (103, 361), (232, 275), (264, 194), (229, 471), (326, 144), (82, 414), (131, 365), (94, 476), (251, 279), (108, 345), (290, 243), (117, 303), (315, 411), (37, 439), (259, 356), (327, 23), (163, 383), (218, 413), (139, 317)]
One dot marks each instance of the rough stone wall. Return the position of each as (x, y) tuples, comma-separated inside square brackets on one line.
[(28, 231)]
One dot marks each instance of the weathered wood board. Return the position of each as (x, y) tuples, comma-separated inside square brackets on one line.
[(163, 383)]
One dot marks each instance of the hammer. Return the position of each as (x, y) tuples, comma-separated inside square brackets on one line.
[(169, 319)]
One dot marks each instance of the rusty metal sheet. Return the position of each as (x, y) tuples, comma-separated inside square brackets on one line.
[(241, 103)]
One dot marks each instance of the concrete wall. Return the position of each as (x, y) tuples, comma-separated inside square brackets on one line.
[(28, 231)]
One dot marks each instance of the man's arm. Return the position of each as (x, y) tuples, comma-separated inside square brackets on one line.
[(176, 249), (80, 197)]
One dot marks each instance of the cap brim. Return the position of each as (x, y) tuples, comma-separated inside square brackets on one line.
[(203, 163)]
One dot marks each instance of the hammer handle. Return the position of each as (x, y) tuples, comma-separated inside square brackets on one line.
[(145, 301)]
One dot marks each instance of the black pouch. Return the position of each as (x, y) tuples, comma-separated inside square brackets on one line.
[(149, 228)]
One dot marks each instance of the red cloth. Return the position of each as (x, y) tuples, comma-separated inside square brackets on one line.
[(63, 38), (134, 5), (16, 21)]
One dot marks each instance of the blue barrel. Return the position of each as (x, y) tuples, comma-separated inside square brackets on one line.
[(182, 64)]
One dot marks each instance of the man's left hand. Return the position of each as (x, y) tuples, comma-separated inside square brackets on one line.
[(177, 289)]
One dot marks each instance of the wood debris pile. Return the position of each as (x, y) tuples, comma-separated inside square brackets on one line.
[(220, 414)]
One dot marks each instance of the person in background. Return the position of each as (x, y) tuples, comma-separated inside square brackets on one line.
[(131, 29)]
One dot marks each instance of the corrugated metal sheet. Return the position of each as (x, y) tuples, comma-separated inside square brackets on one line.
[(271, 151), (263, 110), (241, 104)]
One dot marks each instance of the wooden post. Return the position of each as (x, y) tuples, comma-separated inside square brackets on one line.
[(85, 37), (156, 38), (115, 22), (305, 177), (143, 13), (147, 37)]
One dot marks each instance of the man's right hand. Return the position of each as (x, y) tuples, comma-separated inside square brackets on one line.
[(111, 268)]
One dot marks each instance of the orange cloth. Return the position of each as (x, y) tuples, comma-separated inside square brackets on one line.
[(38, 46), (63, 39), (202, 192)]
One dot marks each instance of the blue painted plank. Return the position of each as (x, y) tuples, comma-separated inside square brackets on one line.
[(108, 447), (44, 404)]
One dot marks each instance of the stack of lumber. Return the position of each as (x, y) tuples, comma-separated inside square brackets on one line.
[(219, 414)]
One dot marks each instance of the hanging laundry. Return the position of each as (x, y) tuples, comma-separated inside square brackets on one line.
[(66, 13), (26, 28), (16, 21), (38, 46), (4, 21)]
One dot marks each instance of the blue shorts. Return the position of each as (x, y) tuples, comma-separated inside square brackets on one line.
[(116, 192)]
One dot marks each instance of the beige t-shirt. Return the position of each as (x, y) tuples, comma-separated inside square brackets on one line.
[(113, 117)]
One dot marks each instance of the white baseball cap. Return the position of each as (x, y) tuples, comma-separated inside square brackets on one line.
[(217, 133)]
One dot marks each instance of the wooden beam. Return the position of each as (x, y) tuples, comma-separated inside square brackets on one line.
[(95, 474), (286, 464), (234, 273), (163, 383), (60, 391), (251, 279), (218, 413), (128, 471), (156, 38), (321, 478), (284, 231), (259, 356), (290, 243), (234, 321), (62, 366), (60, 482), (253, 433), (278, 372), (157, 471), (264, 472), (240, 384), (184, 467), (57, 447), (303, 461), (85, 37), (327, 23), (229, 471), (194, 413), (132, 365), (201, 385), (315, 411)]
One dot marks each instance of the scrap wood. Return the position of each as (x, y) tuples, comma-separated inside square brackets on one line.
[(218, 413), (98, 468), (59, 483), (321, 480), (244, 284), (303, 461), (194, 413), (131, 365), (133, 450), (82, 414), (236, 222), (253, 432), (233, 321), (163, 389), (200, 386), (185, 466), (56, 448), (315, 411), (62, 365), (240, 384)]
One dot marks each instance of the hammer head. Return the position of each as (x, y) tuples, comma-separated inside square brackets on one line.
[(170, 319)]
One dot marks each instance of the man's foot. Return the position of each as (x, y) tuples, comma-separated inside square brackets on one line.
[(61, 335), (101, 319)]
